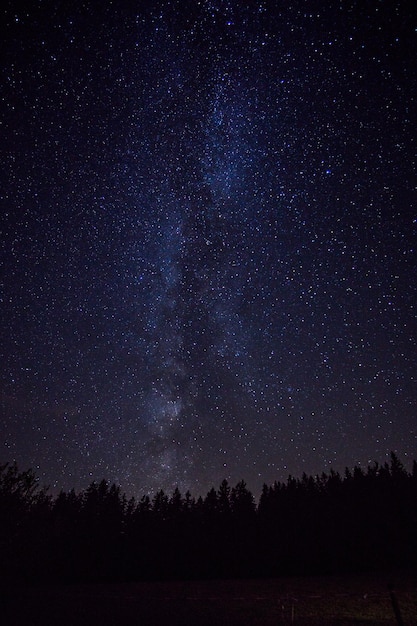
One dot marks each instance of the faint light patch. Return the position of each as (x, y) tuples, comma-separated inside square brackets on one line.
[(162, 464), (162, 411)]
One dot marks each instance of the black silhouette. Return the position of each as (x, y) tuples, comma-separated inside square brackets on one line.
[(332, 523)]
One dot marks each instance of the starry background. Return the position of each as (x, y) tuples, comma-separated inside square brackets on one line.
[(208, 240)]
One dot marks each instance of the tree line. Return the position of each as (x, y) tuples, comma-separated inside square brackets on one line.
[(361, 520)]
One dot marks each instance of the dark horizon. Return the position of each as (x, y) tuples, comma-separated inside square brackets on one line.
[(328, 524)]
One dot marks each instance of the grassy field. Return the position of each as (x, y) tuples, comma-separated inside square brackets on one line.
[(341, 601)]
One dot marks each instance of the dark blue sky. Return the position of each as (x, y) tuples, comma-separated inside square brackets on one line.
[(208, 249)]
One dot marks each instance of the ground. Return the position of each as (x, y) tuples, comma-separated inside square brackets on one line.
[(340, 601)]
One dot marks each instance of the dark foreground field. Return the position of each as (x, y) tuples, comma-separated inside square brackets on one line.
[(338, 600)]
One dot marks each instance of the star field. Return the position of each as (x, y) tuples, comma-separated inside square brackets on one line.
[(208, 250)]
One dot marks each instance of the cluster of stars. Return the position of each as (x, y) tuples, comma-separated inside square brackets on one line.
[(208, 240)]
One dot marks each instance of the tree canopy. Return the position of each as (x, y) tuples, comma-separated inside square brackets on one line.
[(363, 519)]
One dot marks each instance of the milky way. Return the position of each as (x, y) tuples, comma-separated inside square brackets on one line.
[(208, 240)]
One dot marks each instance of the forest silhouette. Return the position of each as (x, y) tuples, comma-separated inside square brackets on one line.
[(362, 520)]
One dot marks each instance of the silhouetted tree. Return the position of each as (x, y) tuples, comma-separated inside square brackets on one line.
[(223, 498), (22, 504), (364, 519), (242, 501)]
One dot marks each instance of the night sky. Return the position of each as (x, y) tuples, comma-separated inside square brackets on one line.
[(208, 240)]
